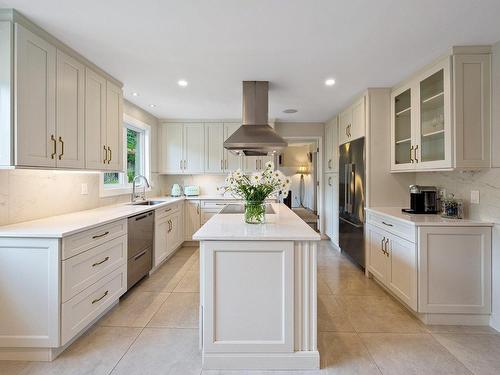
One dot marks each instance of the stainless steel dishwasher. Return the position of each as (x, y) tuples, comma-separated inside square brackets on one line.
[(139, 246)]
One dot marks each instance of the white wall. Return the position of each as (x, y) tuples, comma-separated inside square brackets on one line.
[(33, 194), (488, 184)]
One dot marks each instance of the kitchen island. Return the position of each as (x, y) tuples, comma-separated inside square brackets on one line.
[(258, 292)]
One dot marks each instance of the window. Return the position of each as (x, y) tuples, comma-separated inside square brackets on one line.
[(136, 158)]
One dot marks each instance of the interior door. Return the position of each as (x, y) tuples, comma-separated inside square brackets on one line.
[(36, 100), (70, 112), (214, 152), (194, 148), (232, 162), (95, 121), (171, 148), (114, 126)]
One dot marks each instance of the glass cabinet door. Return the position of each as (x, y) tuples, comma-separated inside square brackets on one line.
[(402, 128), (432, 119)]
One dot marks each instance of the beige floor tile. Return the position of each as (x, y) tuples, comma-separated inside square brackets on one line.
[(135, 309), (180, 310), (480, 330), (344, 353), (346, 283), (331, 316), (479, 353), (190, 282), (411, 354), (323, 286), (95, 353), (164, 280), (379, 314), (160, 351), (13, 367), (186, 251), (263, 372)]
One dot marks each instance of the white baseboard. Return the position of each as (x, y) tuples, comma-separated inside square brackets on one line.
[(495, 321), (455, 319), (261, 361)]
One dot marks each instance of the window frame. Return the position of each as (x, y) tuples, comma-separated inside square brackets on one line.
[(123, 187)]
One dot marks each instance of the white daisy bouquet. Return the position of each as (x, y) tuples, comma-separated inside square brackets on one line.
[(255, 188)]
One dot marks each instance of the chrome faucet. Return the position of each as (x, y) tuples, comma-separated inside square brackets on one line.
[(143, 195)]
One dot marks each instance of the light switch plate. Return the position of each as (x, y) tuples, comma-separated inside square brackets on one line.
[(474, 197), (85, 189)]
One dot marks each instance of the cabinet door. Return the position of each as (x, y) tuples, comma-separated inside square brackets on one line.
[(214, 149), (70, 112), (251, 164), (402, 124), (345, 123), (161, 246), (192, 219), (376, 240), (402, 278), (328, 213), (36, 100), (171, 148), (331, 131), (357, 130), (232, 162), (174, 232), (114, 126), (194, 148), (95, 121), (266, 159), (433, 143)]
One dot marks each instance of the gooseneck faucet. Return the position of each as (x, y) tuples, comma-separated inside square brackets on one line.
[(143, 195)]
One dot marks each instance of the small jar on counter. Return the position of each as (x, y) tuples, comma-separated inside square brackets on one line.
[(452, 208)]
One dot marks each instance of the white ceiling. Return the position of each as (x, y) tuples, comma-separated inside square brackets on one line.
[(295, 44)]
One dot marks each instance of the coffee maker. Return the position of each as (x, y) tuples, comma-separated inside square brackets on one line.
[(423, 200)]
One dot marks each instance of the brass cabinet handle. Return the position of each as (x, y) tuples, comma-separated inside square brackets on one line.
[(198, 208), (100, 298), (386, 244), (100, 235), (101, 262), (169, 226), (330, 164), (54, 151), (382, 245), (347, 135), (62, 148), (329, 181), (168, 209), (411, 154), (105, 154), (110, 155), (416, 159)]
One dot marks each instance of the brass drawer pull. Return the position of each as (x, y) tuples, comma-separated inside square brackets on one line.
[(62, 148), (101, 262), (386, 244), (110, 155), (100, 235), (105, 154), (416, 159), (53, 155), (100, 298)]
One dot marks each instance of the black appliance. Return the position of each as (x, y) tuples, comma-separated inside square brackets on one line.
[(352, 200), (423, 200)]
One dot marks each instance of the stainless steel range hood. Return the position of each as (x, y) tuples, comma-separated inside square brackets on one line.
[(255, 137)]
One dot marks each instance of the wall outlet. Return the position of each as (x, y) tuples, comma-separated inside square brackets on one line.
[(474, 197), (85, 189)]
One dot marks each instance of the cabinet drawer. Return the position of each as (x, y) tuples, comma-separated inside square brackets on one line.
[(83, 270), (391, 225), (216, 204), (168, 210), (80, 242), (82, 309)]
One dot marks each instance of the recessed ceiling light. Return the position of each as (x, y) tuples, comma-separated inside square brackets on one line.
[(330, 82), (135, 94), (182, 83), (290, 110), (152, 105)]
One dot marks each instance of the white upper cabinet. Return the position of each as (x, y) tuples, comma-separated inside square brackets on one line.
[(70, 112), (331, 146), (182, 148), (352, 122), (214, 149), (441, 118), (36, 138), (256, 163), (231, 161), (64, 114)]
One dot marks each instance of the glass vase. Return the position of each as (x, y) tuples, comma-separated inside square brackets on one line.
[(255, 212)]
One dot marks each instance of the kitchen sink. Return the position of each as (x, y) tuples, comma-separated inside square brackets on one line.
[(146, 203)]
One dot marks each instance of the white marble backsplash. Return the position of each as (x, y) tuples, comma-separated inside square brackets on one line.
[(27, 194), (461, 183), (208, 183)]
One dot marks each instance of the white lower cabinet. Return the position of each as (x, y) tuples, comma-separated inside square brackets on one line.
[(442, 272), (331, 213), (192, 218), (168, 231)]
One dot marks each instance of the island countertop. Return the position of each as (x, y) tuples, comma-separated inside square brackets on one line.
[(284, 225)]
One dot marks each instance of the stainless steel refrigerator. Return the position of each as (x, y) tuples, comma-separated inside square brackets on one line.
[(352, 200)]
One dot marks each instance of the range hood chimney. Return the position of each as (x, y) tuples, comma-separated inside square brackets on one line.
[(255, 137)]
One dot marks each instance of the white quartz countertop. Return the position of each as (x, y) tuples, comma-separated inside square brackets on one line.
[(214, 198), (426, 220), (285, 225), (65, 225)]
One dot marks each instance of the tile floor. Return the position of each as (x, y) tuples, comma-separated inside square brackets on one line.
[(362, 330)]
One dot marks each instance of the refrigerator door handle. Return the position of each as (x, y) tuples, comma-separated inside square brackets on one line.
[(351, 223)]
